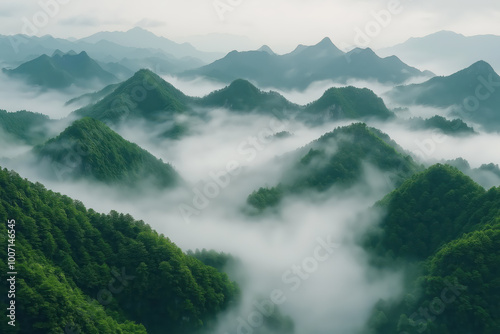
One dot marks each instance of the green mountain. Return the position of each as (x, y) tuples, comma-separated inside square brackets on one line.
[(62, 71), (472, 92), (446, 227), (337, 158), (347, 103), (241, 95), (144, 96), (25, 126), (88, 149), (148, 97), (79, 271), (453, 127), (305, 65)]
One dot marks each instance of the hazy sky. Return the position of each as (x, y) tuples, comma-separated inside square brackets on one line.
[(282, 24)]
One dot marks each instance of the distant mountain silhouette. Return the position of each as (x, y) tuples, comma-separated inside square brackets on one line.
[(62, 71), (446, 52), (306, 64), (474, 93)]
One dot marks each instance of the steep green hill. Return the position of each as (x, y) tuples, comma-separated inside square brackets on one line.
[(87, 272), (88, 149), (241, 95), (426, 212), (447, 228), (347, 103), (337, 158), (143, 96)]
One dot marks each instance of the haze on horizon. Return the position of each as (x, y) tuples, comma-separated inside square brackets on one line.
[(242, 24)]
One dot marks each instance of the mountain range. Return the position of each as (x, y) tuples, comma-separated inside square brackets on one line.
[(161, 102), (305, 65), (473, 93), (62, 71), (446, 52)]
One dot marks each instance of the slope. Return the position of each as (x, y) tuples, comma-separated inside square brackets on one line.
[(472, 92), (59, 72), (447, 228), (337, 158), (88, 149), (85, 272), (305, 65)]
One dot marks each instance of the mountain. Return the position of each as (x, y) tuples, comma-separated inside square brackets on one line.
[(446, 52), (92, 98), (472, 92), (87, 272), (144, 96), (26, 127), (347, 103), (18, 49), (88, 149), (160, 102), (337, 158), (455, 127), (425, 212), (444, 228), (141, 38), (241, 95), (305, 65), (59, 72)]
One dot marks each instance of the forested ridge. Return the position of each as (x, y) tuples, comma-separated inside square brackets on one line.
[(80, 271), (446, 228)]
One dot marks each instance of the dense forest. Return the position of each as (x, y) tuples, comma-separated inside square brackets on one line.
[(337, 158), (446, 230), (88, 149), (87, 272)]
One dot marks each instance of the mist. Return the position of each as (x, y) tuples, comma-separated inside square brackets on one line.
[(16, 95), (224, 157)]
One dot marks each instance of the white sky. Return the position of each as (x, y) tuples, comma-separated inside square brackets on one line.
[(282, 24)]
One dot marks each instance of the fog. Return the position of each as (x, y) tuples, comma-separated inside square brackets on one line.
[(224, 158), (16, 95)]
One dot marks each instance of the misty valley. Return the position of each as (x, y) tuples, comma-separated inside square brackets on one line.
[(151, 187)]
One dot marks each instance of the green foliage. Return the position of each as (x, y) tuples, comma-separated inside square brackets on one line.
[(241, 95), (144, 96), (453, 127), (96, 273), (426, 212), (348, 103), (338, 158), (449, 227), (98, 153), (28, 127)]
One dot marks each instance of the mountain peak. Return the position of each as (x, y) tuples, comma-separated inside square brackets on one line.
[(326, 42), (482, 66), (139, 30), (267, 49)]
